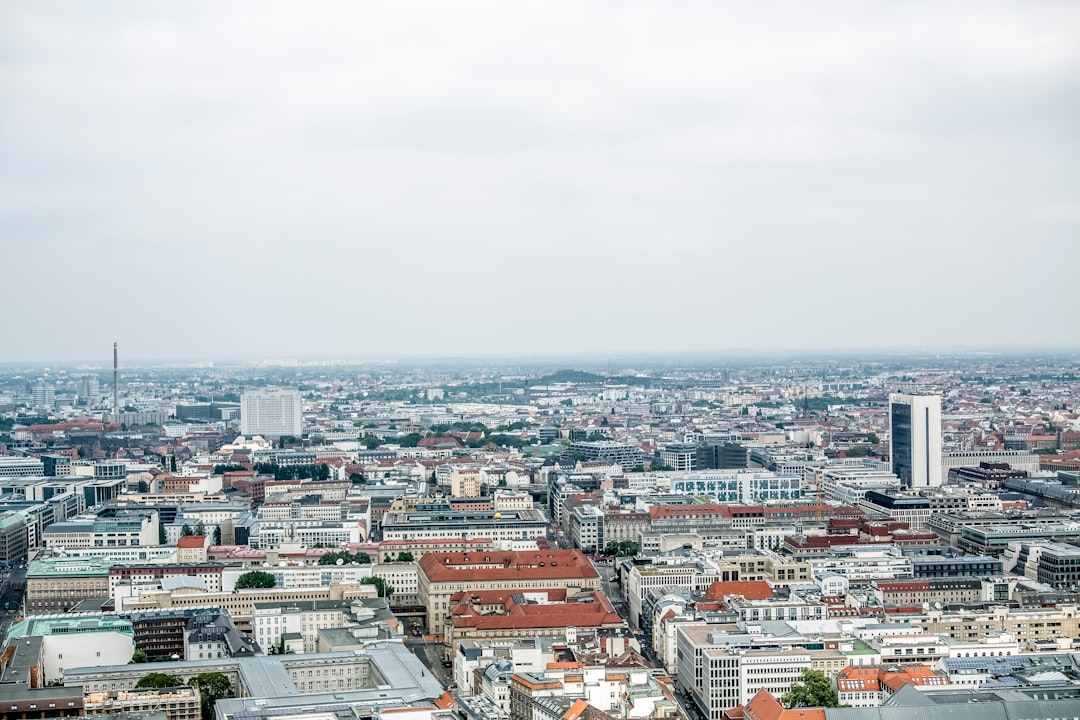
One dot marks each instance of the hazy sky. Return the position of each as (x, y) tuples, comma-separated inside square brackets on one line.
[(356, 179)]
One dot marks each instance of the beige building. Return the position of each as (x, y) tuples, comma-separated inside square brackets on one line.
[(1034, 628), (240, 603), (465, 482), (182, 703), (55, 585)]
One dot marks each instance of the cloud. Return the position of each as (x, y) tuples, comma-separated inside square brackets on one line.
[(590, 176)]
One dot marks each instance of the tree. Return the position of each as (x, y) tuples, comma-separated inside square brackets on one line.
[(217, 534), (158, 680), (385, 590), (138, 657), (356, 478), (143, 487), (623, 548), (200, 529), (212, 686), (405, 556), (186, 530), (255, 579), (813, 690)]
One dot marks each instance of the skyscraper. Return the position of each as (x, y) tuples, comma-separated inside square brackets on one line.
[(915, 439), (44, 395), (90, 389), (271, 412)]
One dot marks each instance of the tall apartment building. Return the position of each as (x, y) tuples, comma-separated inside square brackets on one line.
[(915, 439), (44, 395), (90, 389), (271, 412)]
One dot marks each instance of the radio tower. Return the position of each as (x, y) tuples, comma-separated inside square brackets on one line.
[(115, 385)]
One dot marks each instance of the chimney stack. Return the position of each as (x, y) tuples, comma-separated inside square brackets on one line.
[(115, 384)]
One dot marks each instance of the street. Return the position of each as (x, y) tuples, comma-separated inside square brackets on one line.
[(10, 597)]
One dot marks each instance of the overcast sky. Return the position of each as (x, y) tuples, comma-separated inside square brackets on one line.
[(368, 179)]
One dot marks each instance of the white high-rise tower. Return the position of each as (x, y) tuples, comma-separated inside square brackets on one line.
[(915, 439), (271, 412)]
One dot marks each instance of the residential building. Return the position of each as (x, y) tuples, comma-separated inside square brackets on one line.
[(271, 412)]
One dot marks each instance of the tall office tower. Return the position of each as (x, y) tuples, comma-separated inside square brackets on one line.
[(271, 412), (90, 389), (915, 439), (44, 395)]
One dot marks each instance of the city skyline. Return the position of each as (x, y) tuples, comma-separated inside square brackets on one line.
[(421, 179)]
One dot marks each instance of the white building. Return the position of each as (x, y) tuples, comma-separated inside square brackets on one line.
[(915, 439), (271, 412)]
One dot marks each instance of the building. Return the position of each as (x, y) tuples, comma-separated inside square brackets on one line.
[(443, 574), (508, 614), (624, 455), (587, 528), (716, 677), (21, 467), (178, 703), (14, 542), (271, 412), (70, 641), (915, 439), (507, 526), (130, 530), (1059, 566), (272, 622), (721, 455), (739, 487), (89, 389), (55, 585), (44, 395), (679, 456)]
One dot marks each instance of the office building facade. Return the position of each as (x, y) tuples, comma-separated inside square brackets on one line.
[(271, 412), (915, 439)]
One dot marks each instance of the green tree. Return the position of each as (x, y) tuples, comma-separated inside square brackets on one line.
[(200, 529), (356, 478), (138, 657), (161, 535), (384, 589), (212, 686), (813, 690), (255, 579), (623, 548), (405, 556), (159, 680), (858, 451), (217, 534), (143, 487), (186, 530)]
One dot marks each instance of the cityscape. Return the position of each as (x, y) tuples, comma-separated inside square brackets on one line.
[(516, 360), (506, 541)]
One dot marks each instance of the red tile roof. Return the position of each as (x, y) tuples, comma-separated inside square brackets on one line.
[(507, 566), (750, 589)]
